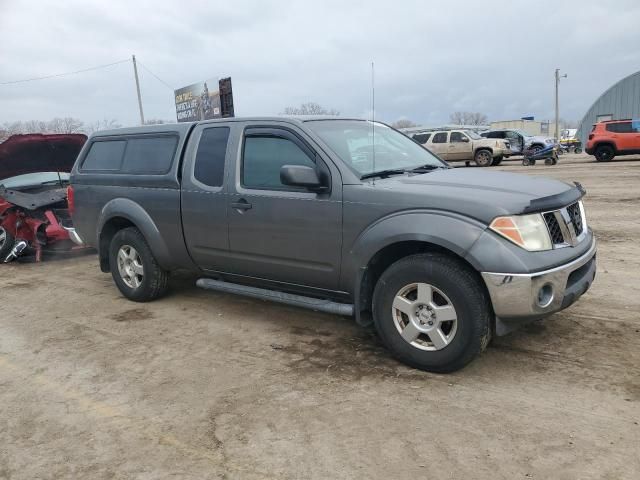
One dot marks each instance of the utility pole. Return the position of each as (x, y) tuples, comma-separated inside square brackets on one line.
[(558, 76), (135, 73)]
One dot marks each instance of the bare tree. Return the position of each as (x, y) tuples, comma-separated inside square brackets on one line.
[(403, 123), (468, 118), (310, 108), (155, 121), (101, 125), (10, 128), (35, 126), (65, 125)]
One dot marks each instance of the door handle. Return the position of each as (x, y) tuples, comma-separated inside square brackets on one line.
[(241, 204)]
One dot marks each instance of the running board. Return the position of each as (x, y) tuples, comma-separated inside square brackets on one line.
[(317, 304)]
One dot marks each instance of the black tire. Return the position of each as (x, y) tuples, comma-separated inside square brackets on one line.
[(526, 162), (154, 282), (483, 158), (577, 150), (7, 241), (462, 287), (604, 153), (497, 161), (536, 148)]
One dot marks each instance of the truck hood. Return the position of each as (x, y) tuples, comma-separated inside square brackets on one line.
[(34, 153), (476, 193), (539, 139)]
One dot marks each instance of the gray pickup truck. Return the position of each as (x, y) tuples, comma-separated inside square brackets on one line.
[(343, 216)]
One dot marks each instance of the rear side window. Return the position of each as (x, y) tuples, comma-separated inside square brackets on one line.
[(422, 137), (151, 155), (264, 156), (440, 138), (105, 155), (622, 127), (212, 149)]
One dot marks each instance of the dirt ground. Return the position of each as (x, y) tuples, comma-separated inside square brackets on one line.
[(202, 385)]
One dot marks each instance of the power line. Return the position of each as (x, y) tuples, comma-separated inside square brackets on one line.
[(157, 77), (64, 74)]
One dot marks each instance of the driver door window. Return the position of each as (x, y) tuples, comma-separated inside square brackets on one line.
[(459, 147), (516, 141), (264, 156), (439, 144)]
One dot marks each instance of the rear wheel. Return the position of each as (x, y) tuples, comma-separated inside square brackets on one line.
[(483, 158), (134, 268), (6, 243), (431, 312), (604, 153)]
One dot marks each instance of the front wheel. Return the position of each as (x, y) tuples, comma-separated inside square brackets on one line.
[(134, 268), (431, 312), (483, 158)]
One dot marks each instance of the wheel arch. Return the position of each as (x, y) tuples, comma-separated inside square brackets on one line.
[(605, 143), (122, 213), (380, 246)]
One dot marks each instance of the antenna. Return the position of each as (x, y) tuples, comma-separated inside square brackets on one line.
[(373, 119)]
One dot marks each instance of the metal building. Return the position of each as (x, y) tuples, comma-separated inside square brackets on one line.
[(620, 101)]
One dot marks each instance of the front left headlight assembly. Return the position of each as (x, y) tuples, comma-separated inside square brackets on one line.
[(527, 231)]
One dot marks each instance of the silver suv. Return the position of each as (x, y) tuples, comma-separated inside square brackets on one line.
[(464, 145)]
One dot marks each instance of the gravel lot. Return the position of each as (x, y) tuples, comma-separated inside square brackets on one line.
[(203, 385)]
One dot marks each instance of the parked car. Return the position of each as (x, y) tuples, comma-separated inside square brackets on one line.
[(34, 174), (519, 140), (464, 145), (614, 138), (308, 213)]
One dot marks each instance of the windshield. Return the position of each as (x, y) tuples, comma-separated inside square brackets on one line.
[(523, 133), (352, 141), (33, 179), (473, 135)]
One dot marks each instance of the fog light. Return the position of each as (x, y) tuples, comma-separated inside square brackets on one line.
[(545, 296)]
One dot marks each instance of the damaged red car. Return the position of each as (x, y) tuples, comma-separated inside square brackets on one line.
[(34, 201)]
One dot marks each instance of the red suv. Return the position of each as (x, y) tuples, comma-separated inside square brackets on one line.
[(614, 137)]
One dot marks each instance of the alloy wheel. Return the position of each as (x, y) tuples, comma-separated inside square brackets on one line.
[(424, 316), (130, 266)]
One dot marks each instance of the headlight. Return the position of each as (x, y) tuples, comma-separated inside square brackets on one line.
[(527, 231)]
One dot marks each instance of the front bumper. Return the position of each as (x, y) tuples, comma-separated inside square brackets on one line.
[(520, 296)]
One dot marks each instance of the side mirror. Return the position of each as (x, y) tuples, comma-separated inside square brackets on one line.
[(464, 139), (301, 176)]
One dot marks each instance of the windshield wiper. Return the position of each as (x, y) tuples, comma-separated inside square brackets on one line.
[(428, 168), (384, 173), (53, 182)]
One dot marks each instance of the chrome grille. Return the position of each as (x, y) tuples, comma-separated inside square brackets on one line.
[(576, 217), (566, 226), (554, 228)]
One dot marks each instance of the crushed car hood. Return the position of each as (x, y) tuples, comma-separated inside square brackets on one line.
[(34, 153)]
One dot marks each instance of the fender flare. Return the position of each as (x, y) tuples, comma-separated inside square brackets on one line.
[(448, 230), (133, 212)]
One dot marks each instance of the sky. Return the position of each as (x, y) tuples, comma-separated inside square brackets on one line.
[(431, 57)]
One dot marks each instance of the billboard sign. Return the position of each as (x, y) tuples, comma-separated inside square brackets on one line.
[(204, 101)]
